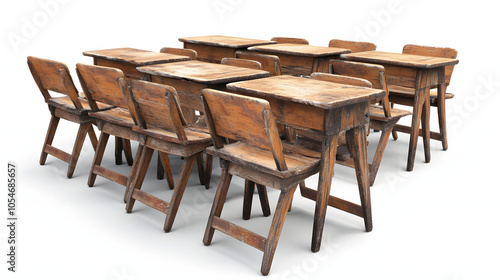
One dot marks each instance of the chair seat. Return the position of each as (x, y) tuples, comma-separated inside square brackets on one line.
[(263, 160), (118, 116), (377, 113), (194, 135), (410, 93), (65, 103)]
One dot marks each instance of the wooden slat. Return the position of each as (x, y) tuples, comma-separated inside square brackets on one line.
[(53, 151), (151, 200), (110, 175), (334, 202), (251, 238)]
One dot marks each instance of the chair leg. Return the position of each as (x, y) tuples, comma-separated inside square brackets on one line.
[(133, 171), (160, 172), (99, 152), (118, 150), (127, 149), (77, 147), (218, 204), (264, 200), (276, 226), (180, 186), (208, 170), (138, 178), (442, 116), (394, 133), (51, 131), (201, 168), (167, 169), (92, 137), (356, 138), (379, 153), (247, 199)]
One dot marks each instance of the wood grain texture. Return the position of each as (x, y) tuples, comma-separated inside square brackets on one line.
[(299, 49), (225, 41), (416, 61), (136, 57), (352, 45)]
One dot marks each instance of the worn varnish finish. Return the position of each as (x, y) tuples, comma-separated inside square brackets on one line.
[(257, 156), (405, 95), (269, 63), (290, 40), (325, 108), (301, 59), (354, 46), (103, 85), (157, 110), (245, 63), (55, 76), (415, 71), (185, 52), (215, 47), (190, 77)]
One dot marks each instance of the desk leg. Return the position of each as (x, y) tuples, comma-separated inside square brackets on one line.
[(416, 116), (426, 132), (356, 139), (328, 152), (442, 115)]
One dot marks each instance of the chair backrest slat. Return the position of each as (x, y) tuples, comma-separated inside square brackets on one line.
[(155, 106), (101, 84), (244, 119), (290, 40), (434, 52), (352, 45), (245, 63), (186, 52), (54, 76), (340, 79), (270, 63)]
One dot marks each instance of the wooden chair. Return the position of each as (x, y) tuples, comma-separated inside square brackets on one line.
[(382, 118), (352, 45), (186, 52), (405, 96), (55, 76), (270, 63), (289, 40), (103, 85), (156, 109), (245, 63), (258, 156)]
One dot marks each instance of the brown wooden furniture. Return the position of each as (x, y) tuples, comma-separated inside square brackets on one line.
[(257, 156), (300, 59), (406, 95), (382, 118), (127, 59), (270, 63), (157, 111), (290, 40), (214, 48), (103, 85), (245, 63), (55, 76), (327, 108), (185, 52), (417, 72), (354, 46)]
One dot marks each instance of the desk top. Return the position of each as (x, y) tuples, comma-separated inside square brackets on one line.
[(306, 91), (135, 56), (300, 49), (225, 41), (203, 72), (399, 59)]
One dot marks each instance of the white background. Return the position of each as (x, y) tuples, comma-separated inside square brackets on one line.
[(438, 222)]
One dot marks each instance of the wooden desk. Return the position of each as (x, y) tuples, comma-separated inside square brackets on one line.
[(327, 108), (190, 77), (127, 59), (216, 47), (412, 71), (299, 59)]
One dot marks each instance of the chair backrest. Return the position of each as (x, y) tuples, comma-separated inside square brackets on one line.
[(245, 119), (434, 52), (375, 74), (155, 106), (352, 45), (246, 63), (186, 52), (102, 84), (54, 76), (289, 40), (341, 79), (270, 63)]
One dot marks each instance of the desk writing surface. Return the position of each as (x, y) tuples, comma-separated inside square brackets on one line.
[(135, 56)]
